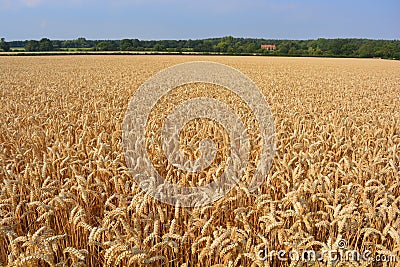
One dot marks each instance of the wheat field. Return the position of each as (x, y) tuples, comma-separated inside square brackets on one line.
[(68, 199)]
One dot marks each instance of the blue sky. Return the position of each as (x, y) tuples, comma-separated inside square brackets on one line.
[(190, 19)]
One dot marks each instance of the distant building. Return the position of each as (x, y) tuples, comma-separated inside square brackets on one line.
[(268, 47)]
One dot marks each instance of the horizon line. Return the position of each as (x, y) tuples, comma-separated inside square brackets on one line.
[(206, 38)]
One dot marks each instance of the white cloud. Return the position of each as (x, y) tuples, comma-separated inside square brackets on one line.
[(31, 3), (219, 6), (10, 4)]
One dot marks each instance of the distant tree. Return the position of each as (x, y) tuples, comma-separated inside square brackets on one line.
[(222, 46), (45, 45), (102, 46), (251, 47), (136, 43), (159, 47), (56, 44), (207, 46), (387, 51), (228, 39), (230, 50), (126, 45), (318, 51), (283, 47), (292, 51), (366, 50), (32, 46), (349, 47), (81, 43), (4, 46), (105, 46), (310, 51)]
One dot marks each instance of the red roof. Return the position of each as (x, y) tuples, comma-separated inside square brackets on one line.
[(268, 46)]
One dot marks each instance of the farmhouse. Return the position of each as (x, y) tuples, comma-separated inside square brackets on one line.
[(268, 47)]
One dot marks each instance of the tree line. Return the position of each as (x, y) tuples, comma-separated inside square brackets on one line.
[(349, 47)]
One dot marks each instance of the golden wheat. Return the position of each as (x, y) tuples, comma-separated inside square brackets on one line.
[(67, 197)]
